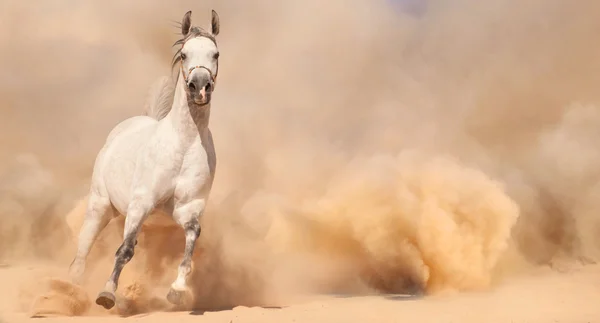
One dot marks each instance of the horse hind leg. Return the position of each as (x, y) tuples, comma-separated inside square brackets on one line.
[(138, 210), (98, 214)]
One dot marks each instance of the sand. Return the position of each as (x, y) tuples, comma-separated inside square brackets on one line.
[(571, 296)]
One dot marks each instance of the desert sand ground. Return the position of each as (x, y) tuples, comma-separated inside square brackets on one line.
[(571, 296), (365, 149)]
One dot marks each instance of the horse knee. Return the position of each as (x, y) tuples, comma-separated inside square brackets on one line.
[(125, 251), (192, 228)]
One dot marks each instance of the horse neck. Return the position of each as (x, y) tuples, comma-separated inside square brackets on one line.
[(187, 118)]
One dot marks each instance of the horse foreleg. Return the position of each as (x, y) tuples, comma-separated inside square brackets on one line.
[(97, 215), (188, 217), (137, 212)]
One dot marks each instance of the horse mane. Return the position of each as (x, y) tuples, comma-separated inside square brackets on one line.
[(162, 91), (160, 98)]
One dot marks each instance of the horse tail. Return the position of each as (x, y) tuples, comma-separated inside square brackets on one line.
[(160, 98)]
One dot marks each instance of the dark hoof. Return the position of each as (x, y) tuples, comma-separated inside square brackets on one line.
[(176, 297), (106, 300)]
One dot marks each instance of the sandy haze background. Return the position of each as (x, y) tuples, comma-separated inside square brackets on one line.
[(360, 149)]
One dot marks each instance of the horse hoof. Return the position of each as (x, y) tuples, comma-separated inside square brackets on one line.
[(176, 297), (106, 300)]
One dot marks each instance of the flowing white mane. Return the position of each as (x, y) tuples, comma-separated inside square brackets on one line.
[(160, 98)]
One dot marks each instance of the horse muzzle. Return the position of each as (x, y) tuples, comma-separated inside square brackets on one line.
[(200, 85)]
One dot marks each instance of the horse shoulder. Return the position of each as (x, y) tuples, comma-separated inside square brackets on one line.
[(122, 144)]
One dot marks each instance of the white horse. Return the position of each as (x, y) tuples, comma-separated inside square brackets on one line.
[(162, 162)]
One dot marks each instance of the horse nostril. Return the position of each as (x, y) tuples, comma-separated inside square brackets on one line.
[(208, 87), (192, 86)]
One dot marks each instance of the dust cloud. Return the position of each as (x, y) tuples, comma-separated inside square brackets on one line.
[(360, 149)]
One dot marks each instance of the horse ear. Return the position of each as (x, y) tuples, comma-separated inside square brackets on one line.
[(186, 23), (215, 25)]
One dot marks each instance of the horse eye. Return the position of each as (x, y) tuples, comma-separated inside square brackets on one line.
[(183, 56), (216, 56)]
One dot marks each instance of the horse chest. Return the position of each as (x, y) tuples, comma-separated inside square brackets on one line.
[(195, 172)]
